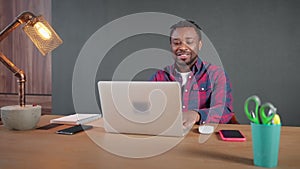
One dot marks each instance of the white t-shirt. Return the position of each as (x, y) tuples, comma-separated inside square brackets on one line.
[(184, 77)]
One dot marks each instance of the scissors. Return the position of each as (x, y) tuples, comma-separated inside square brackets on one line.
[(259, 115)]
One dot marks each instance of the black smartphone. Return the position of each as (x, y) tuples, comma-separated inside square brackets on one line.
[(74, 129), (232, 135)]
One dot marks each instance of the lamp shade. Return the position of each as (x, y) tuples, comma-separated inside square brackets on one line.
[(42, 34)]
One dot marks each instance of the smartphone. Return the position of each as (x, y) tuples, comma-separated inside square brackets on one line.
[(74, 129), (232, 135)]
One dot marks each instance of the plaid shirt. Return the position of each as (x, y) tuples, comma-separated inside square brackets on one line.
[(207, 91)]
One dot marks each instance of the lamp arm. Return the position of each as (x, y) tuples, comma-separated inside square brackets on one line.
[(19, 74), (22, 18), (25, 16)]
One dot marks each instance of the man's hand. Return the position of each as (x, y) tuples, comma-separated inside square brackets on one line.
[(190, 118)]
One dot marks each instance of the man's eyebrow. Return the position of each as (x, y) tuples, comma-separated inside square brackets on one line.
[(189, 38), (174, 38)]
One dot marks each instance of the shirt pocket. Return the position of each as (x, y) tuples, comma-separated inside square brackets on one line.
[(203, 87), (201, 94)]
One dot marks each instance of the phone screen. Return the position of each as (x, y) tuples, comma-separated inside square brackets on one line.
[(74, 129), (232, 135)]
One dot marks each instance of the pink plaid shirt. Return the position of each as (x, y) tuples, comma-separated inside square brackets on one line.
[(207, 91)]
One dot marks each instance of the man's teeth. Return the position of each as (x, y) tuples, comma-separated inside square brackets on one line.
[(182, 54)]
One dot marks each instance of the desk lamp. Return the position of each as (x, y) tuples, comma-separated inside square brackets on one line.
[(45, 39)]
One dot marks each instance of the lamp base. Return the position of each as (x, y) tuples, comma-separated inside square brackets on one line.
[(16, 117)]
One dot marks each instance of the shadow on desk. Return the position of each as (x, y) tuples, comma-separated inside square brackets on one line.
[(215, 152), (210, 154)]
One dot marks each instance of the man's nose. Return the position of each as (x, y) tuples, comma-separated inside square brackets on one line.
[(183, 46)]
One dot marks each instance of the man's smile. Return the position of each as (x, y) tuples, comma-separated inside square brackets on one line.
[(183, 54)]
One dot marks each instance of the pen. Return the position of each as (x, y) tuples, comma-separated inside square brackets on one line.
[(276, 119)]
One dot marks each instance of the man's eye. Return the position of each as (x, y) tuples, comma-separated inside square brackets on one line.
[(176, 42), (190, 42)]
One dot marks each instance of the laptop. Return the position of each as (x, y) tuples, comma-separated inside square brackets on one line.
[(141, 107)]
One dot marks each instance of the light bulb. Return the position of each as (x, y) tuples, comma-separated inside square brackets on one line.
[(42, 30)]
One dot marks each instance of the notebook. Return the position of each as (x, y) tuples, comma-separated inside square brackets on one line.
[(151, 108), (75, 119)]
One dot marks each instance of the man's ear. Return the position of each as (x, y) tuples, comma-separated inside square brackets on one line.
[(200, 45)]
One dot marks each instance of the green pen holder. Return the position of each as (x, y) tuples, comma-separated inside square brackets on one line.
[(265, 144)]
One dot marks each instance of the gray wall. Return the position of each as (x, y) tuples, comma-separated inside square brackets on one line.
[(257, 41)]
